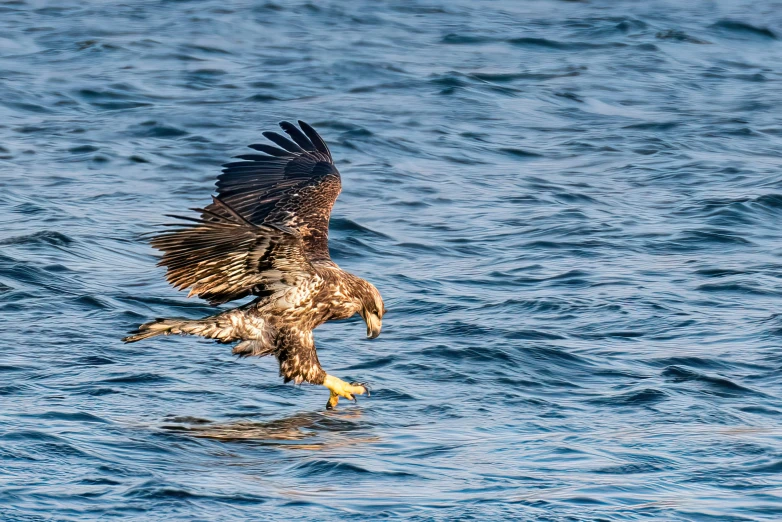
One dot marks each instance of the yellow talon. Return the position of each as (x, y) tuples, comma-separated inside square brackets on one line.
[(340, 388)]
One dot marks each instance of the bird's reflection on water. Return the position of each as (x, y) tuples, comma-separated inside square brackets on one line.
[(303, 430)]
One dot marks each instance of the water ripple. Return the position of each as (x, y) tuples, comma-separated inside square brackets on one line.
[(572, 210)]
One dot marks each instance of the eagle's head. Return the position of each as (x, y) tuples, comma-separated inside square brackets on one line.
[(372, 309)]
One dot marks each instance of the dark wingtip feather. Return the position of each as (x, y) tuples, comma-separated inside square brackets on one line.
[(268, 149), (228, 208), (256, 157), (315, 138), (283, 142), (298, 136), (183, 218)]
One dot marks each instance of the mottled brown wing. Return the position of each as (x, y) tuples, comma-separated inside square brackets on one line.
[(227, 257), (293, 184)]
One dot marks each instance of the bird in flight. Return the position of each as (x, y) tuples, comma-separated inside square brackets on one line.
[(265, 234)]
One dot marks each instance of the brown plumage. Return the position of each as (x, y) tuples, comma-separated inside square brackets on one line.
[(266, 234)]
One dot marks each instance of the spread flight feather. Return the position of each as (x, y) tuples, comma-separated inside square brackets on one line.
[(266, 234)]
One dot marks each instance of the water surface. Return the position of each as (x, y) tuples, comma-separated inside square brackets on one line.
[(572, 209)]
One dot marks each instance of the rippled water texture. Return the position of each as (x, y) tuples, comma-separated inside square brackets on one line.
[(573, 210)]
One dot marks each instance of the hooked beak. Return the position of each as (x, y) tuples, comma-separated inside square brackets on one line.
[(373, 326)]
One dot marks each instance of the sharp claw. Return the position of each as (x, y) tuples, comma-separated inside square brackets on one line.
[(364, 385)]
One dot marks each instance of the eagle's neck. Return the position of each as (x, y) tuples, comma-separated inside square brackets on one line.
[(342, 295)]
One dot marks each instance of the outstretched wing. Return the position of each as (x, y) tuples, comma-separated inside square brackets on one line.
[(226, 257), (293, 184)]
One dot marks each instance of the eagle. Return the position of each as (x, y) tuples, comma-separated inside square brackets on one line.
[(265, 234)]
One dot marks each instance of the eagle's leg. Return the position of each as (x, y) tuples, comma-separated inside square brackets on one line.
[(340, 388), (298, 360)]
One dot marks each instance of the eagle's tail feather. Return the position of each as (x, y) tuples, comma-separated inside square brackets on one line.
[(157, 327), (211, 327), (227, 327)]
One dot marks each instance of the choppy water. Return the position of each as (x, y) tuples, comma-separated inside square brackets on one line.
[(573, 211)]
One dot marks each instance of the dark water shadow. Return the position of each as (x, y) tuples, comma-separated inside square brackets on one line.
[(303, 430)]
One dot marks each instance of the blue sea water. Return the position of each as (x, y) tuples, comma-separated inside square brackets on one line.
[(572, 209)]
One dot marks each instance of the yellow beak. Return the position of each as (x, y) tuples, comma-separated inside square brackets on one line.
[(373, 325)]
